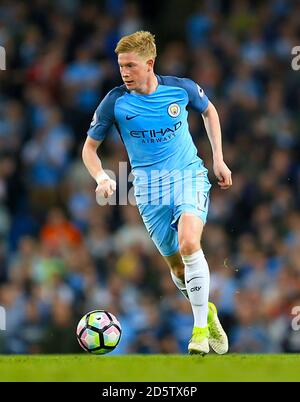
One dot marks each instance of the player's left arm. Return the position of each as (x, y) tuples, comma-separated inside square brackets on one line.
[(200, 103), (212, 125)]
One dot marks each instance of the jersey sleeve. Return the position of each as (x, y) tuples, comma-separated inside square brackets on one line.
[(197, 98), (103, 118)]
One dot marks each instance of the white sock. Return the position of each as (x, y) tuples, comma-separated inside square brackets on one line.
[(196, 274), (180, 284)]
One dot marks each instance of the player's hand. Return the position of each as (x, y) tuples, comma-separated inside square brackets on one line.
[(223, 174), (105, 185)]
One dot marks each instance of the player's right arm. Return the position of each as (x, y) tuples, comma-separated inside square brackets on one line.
[(102, 122), (105, 185)]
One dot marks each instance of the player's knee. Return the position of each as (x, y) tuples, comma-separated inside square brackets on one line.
[(188, 246)]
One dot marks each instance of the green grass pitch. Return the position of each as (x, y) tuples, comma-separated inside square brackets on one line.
[(156, 368)]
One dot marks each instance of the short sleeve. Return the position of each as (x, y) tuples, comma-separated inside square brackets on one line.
[(103, 118), (197, 98)]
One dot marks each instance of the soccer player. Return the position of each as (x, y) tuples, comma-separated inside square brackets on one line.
[(171, 185)]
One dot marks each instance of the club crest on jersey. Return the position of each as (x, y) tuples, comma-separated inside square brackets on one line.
[(174, 110)]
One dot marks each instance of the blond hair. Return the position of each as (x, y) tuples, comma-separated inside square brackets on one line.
[(140, 42)]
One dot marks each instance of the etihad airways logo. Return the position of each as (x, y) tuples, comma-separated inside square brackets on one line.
[(161, 135)]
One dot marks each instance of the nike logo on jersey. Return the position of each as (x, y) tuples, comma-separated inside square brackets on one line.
[(194, 278), (131, 117)]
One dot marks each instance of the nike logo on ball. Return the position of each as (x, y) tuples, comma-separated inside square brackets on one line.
[(131, 117)]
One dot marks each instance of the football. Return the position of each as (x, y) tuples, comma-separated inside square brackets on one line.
[(98, 332)]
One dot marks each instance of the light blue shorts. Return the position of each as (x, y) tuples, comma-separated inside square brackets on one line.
[(188, 195)]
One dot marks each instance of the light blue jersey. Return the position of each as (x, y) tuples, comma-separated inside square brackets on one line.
[(155, 132), (154, 127)]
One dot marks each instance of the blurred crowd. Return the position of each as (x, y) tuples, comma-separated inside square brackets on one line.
[(62, 255)]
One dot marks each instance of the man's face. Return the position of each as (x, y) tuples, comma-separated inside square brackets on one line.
[(134, 69)]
